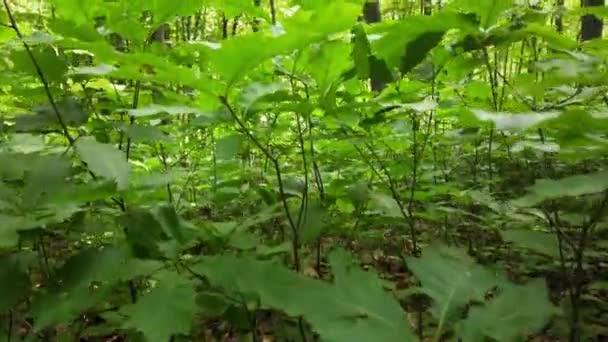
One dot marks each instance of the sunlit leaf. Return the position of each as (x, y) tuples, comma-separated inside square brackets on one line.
[(161, 109), (514, 121)]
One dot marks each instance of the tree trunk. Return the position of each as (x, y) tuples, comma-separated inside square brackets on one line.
[(371, 11), (559, 22), (372, 14), (427, 7), (591, 26)]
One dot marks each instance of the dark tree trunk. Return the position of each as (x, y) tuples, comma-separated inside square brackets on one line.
[(591, 26), (371, 11), (256, 22), (559, 22), (427, 7), (372, 14)]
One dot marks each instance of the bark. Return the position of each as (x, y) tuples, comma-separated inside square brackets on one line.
[(427, 7), (591, 26), (559, 22), (371, 11)]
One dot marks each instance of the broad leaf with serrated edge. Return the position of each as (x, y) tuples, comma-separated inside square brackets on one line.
[(572, 186), (105, 160), (452, 279), (505, 319), (166, 310), (355, 308)]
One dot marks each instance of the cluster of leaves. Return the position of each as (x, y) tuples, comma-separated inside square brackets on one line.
[(152, 185)]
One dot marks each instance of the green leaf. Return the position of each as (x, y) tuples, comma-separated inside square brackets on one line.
[(228, 147), (239, 55), (354, 308), (155, 109), (109, 265), (452, 279), (361, 52), (514, 121), (540, 242), (163, 11), (417, 49), (405, 43), (9, 237), (257, 91), (505, 319), (171, 223), (104, 267), (105, 160), (166, 310), (99, 70), (47, 175), (327, 62), (572, 186), (54, 68), (143, 233), (488, 11), (14, 282), (386, 205), (63, 306), (313, 224), (144, 133)]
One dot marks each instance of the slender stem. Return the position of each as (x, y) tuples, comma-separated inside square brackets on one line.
[(407, 216), (410, 208), (304, 202), (277, 168), (163, 160), (214, 159), (11, 318), (134, 105), (47, 89), (490, 171)]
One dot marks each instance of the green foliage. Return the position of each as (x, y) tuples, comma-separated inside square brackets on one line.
[(105, 160), (15, 282), (453, 280), (204, 169), (505, 319), (572, 186), (354, 308), (166, 310)]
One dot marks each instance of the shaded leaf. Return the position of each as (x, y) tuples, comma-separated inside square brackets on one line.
[(166, 310), (541, 242), (14, 282), (355, 308), (572, 186), (105, 160), (228, 147), (505, 319), (452, 279)]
